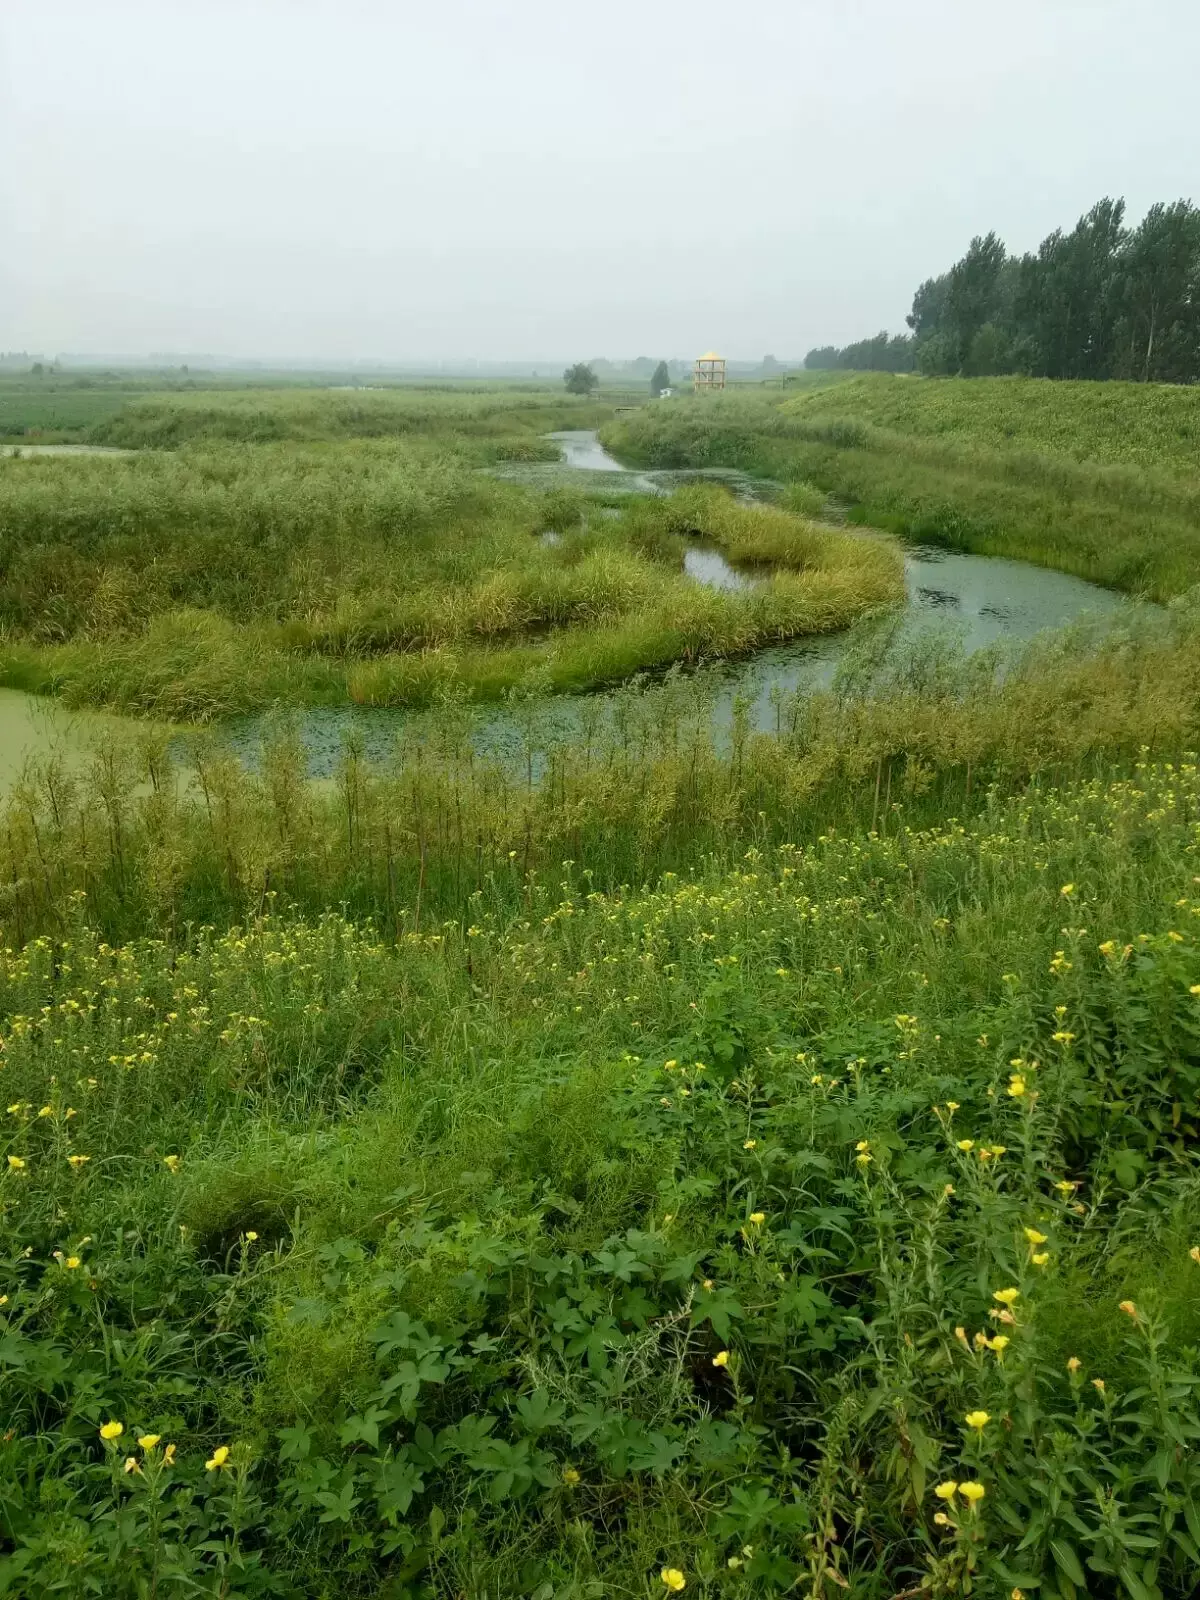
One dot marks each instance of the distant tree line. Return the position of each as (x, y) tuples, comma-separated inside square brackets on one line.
[(1102, 301), (880, 354)]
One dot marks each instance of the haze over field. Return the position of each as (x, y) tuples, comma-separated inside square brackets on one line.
[(465, 180)]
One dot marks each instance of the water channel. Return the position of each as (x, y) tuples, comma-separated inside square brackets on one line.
[(979, 600)]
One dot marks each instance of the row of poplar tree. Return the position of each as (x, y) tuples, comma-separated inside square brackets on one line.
[(1101, 301)]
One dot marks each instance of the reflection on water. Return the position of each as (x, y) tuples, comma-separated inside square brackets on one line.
[(582, 450), (33, 727), (63, 450), (584, 458), (708, 566)]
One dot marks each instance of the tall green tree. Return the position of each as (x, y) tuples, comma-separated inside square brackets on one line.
[(1069, 295), (973, 293), (660, 379), (1160, 326), (580, 379)]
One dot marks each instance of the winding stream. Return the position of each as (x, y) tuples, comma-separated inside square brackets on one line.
[(985, 600)]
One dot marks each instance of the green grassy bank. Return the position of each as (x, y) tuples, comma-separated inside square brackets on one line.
[(1095, 479)]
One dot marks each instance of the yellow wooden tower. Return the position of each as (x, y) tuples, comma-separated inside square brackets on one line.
[(708, 373)]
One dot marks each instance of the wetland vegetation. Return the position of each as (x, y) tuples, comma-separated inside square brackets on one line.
[(751, 1162), (352, 549)]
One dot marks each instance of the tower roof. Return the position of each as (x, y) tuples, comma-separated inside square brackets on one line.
[(710, 355)]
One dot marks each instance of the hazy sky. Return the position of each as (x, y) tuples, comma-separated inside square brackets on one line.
[(382, 178)]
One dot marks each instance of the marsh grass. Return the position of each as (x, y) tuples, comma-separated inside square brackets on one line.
[(221, 580), (644, 784)]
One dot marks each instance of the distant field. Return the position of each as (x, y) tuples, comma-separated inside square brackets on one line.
[(38, 412), (270, 415)]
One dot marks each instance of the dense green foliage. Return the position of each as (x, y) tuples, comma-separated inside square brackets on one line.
[(1096, 479), (1102, 301), (580, 379), (882, 353), (592, 1233)]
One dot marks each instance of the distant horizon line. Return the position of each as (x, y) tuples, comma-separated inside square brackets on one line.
[(449, 366)]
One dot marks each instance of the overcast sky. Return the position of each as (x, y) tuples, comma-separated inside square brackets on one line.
[(534, 180)]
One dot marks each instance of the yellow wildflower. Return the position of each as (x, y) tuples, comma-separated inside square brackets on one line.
[(1034, 1236), (251, 1236), (721, 1359), (16, 1164), (72, 1262), (758, 1218), (1065, 1187), (951, 1106), (750, 1144), (947, 1490), (171, 1163), (942, 1520), (1000, 1343), (972, 1492), (169, 1456), (147, 1441), (1074, 1364), (673, 1578), (78, 1161), (112, 1430), (966, 1145), (570, 1476), (1098, 1384), (1194, 1252), (1016, 1086), (218, 1458), (131, 1464), (1040, 1258), (1068, 889), (977, 1420), (1007, 1297), (1128, 1307)]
